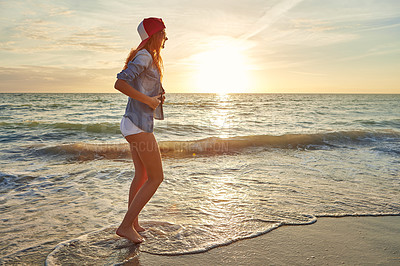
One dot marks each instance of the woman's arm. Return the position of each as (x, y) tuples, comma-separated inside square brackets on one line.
[(126, 89)]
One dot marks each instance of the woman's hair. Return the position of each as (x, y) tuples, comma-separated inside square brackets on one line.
[(154, 47)]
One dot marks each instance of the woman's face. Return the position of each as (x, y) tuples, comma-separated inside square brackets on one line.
[(163, 38)]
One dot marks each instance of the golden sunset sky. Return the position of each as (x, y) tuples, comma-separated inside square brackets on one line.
[(266, 46)]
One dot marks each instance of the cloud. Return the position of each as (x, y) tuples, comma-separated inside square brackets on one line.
[(53, 79), (7, 46), (381, 50), (37, 35), (56, 11), (270, 17), (309, 38), (36, 29), (95, 39)]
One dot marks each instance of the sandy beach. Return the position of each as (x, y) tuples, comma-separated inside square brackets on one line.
[(330, 241)]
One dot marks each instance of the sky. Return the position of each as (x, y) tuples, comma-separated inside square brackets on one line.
[(253, 46)]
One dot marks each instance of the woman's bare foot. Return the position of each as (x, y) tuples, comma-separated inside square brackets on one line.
[(130, 234), (138, 228)]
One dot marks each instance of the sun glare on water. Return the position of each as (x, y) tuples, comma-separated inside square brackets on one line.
[(222, 70)]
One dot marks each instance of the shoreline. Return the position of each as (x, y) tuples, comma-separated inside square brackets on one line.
[(351, 240), (358, 240)]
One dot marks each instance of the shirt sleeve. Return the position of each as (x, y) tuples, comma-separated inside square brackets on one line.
[(136, 66)]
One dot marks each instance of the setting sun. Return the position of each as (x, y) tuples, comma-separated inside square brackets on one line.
[(222, 70)]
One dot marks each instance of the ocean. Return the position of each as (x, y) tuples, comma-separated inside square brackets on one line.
[(236, 166)]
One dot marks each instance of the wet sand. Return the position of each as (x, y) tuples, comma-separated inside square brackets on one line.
[(330, 241)]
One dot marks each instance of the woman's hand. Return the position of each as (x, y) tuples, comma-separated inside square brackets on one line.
[(154, 101), (162, 97)]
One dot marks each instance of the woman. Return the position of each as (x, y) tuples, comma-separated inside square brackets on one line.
[(141, 81)]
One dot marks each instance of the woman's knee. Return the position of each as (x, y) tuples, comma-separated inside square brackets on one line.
[(156, 177)]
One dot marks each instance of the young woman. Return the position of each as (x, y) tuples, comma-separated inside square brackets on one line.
[(141, 81)]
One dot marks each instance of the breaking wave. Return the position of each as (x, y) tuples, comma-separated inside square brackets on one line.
[(217, 146)]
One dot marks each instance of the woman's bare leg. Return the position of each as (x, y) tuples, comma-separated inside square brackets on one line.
[(149, 153), (137, 182)]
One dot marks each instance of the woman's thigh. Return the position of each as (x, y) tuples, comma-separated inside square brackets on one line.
[(140, 170), (148, 152)]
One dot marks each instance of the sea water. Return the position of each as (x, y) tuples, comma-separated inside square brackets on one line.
[(236, 166)]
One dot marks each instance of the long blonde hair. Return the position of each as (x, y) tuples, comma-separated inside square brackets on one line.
[(153, 46)]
